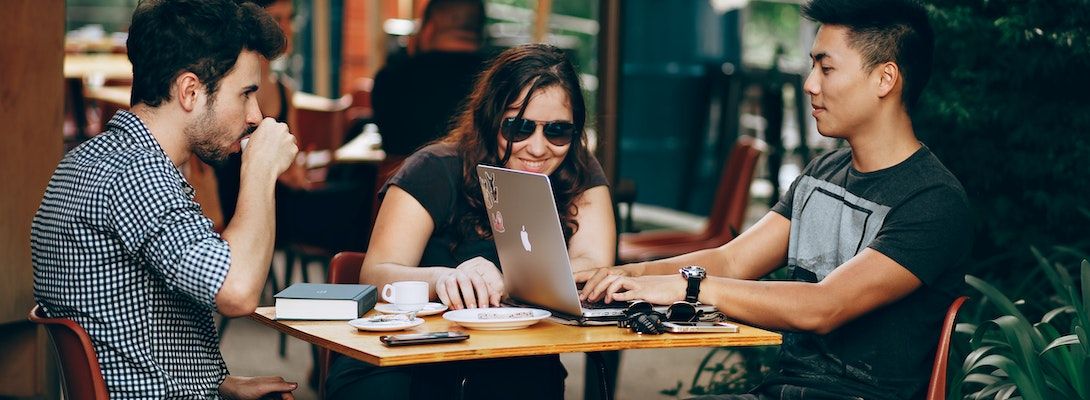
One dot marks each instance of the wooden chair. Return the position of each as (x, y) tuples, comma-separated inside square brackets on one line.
[(936, 389), (344, 268), (360, 109), (725, 220), (319, 126), (79, 365)]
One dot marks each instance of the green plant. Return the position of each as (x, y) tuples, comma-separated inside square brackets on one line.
[(1011, 357), (1000, 113), (729, 370)]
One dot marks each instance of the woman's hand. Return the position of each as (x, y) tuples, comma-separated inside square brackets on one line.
[(476, 283)]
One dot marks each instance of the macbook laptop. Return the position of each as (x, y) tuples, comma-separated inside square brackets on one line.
[(533, 253)]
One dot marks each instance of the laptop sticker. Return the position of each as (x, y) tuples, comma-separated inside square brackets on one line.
[(489, 190), (497, 222)]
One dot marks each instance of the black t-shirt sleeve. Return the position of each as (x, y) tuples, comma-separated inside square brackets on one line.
[(929, 232), (432, 180), (783, 207), (595, 175)]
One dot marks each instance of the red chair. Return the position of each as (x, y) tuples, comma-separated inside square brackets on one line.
[(344, 268), (725, 220), (361, 101), (79, 365), (936, 389), (319, 127)]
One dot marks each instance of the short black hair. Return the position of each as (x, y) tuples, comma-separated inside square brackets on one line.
[(883, 31), (205, 37)]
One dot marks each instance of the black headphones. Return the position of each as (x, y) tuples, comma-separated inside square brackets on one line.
[(641, 317)]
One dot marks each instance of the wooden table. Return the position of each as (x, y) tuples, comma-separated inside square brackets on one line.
[(101, 66), (545, 337)]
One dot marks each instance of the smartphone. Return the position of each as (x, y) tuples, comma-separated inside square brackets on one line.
[(700, 327), (422, 338)]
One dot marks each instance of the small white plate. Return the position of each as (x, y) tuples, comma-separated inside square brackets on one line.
[(367, 324), (496, 319), (429, 309)]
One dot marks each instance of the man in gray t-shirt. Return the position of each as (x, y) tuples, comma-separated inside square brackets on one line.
[(874, 236)]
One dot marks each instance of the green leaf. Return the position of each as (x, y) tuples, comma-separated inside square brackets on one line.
[(1084, 312), (1056, 275), (1062, 341), (1057, 311), (1004, 304), (1022, 366)]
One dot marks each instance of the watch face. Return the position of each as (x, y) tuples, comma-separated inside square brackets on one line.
[(693, 271)]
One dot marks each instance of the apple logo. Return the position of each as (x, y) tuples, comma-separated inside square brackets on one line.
[(525, 238)]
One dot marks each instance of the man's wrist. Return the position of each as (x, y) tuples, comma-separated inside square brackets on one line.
[(258, 174)]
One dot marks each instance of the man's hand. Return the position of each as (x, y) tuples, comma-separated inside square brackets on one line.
[(656, 289), (295, 176), (253, 388), (270, 146), (595, 279), (476, 283)]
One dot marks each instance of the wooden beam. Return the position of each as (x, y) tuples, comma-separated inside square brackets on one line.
[(609, 74), (541, 20), (32, 108)]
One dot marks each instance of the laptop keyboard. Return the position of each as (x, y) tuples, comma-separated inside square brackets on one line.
[(599, 305)]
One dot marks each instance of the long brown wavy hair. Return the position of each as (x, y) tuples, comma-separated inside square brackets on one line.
[(476, 130)]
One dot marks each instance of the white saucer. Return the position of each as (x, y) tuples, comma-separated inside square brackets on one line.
[(496, 319), (365, 324), (429, 309)]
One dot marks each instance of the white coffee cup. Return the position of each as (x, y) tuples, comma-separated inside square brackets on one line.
[(406, 295)]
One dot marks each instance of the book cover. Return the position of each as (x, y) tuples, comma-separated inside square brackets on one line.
[(325, 301)]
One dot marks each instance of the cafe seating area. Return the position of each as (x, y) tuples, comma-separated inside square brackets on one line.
[(703, 116)]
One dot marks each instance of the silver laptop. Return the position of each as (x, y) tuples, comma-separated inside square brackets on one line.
[(532, 250)]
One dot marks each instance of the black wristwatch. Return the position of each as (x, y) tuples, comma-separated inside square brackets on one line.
[(693, 274)]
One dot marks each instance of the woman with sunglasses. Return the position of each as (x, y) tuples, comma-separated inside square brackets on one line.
[(527, 113)]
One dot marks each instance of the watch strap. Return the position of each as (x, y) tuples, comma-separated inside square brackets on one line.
[(692, 292)]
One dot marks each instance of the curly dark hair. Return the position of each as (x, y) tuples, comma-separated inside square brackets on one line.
[(205, 37), (476, 129)]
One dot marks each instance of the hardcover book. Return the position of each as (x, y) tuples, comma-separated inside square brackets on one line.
[(325, 301)]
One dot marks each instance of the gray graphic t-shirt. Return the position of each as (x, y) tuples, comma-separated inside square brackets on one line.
[(915, 213)]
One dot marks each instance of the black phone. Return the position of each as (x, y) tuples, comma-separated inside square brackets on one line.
[(422, 338)]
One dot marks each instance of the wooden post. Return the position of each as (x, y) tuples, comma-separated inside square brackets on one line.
[(32, 108)]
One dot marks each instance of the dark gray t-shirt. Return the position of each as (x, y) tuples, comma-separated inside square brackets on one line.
[(433, 176), (914, 212)]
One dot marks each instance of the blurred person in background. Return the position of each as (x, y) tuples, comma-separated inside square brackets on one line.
[(414, 98)]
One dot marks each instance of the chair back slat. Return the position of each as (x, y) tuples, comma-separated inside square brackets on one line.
[(936, 389), (79, 365), (728, 211)]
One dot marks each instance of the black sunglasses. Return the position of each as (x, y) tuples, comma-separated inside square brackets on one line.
[(517, 129), (678, 312)]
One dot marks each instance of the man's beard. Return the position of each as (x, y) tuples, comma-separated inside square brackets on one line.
[(203, 138)]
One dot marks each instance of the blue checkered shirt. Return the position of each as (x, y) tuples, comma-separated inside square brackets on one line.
[(120, 246)]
